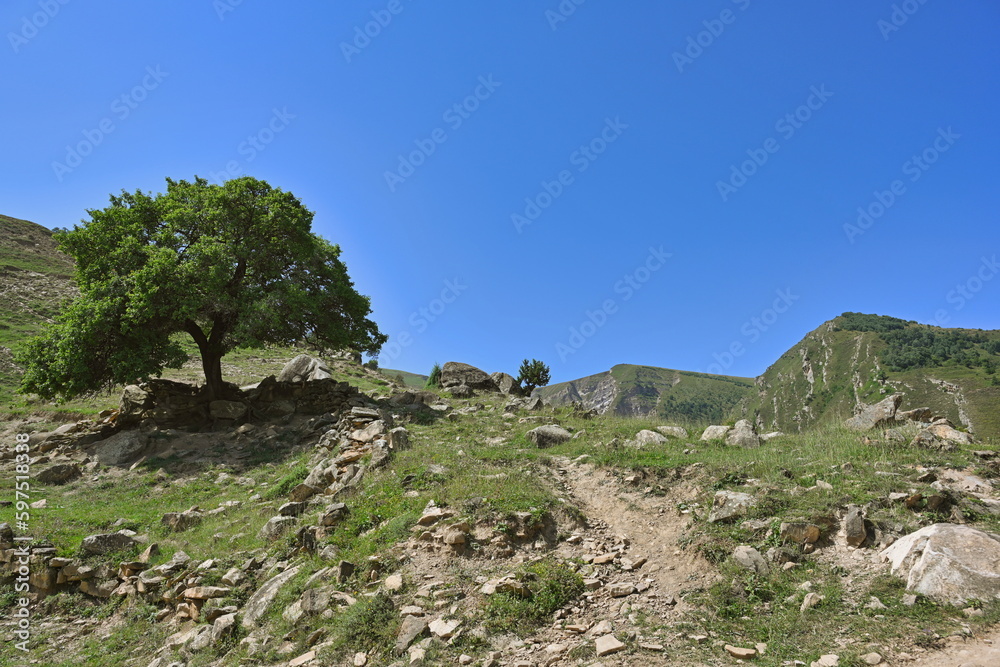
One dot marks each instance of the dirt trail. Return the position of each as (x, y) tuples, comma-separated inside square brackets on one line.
[(983, 652), (653, 528), (652, 525)]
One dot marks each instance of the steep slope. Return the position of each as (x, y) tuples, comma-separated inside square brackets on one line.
[(35, 280), (633, 391), (856, 358)]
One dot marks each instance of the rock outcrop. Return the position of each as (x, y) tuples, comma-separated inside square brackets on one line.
[(948, 562), (454, 374), (882, 413)]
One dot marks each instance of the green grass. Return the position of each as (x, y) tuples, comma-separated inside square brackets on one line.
[(551, 585)]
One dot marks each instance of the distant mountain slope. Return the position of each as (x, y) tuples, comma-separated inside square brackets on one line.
[(35, 281), (411, 380), (858, 358), (672, 395)]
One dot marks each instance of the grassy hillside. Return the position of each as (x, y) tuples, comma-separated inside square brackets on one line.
[(35, 281), (411, 380), (863, 358), (677, 396), (592, 499)]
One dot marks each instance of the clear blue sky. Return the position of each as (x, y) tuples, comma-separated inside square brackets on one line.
[(693, 164)]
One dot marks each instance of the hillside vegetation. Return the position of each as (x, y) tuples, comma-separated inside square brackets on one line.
[(857, 358), (630, 390)]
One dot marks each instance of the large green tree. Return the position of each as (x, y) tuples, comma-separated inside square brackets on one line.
[(233, 265)]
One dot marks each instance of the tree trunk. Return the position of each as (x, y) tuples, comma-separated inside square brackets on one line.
[(211, 360), (211, 365)]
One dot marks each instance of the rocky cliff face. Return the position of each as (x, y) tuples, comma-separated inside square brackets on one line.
[(595, 392)]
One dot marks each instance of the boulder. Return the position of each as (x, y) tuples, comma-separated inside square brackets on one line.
[(882, 413), (106, 543), (260, 601), (454, 374), (507, 384), (461, 391), (944, 430), (673, 431), (647, 437), (926, 439), (715, 432), (798, 532), (744, 434), (179, 521), (412, 627), (58, 474), (275, 527), (303, 368), (121, 448), (546, 436), (729, 505), (949, 563), (854, 526), (750, 559)]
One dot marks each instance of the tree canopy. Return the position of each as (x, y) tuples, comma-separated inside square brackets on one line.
[(233, 265), (533, 374)]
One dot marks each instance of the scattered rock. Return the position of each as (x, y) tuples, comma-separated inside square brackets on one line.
[(412, 627), (608, 644), (546, 436), (854, 526), (741, 653), (750, 558), (728, 505), (799, 532), (261, 600), (275, 527)]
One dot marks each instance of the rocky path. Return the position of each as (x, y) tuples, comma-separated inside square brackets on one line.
[(983, 652), (651, 525)]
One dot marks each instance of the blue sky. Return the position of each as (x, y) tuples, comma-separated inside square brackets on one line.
[(691, 185)]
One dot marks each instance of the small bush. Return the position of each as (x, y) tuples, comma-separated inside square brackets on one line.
[(551, 586)]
